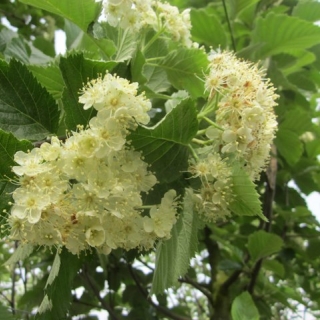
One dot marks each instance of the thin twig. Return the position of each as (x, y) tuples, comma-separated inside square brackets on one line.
[(229, 25), (91, 283), (199, 287), (146, 295)]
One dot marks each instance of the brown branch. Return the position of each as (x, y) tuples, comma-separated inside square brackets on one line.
[(146, 295), (92, 285), (199, 287)]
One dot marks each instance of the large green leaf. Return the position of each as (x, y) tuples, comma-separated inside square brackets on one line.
[(173, 256), (58, 294), (165, 146), (207, 29), (80, 12), (245, 200), (280, 33), (26, 109), (76, 71), (262, 244), (185, 69), (243, 308)]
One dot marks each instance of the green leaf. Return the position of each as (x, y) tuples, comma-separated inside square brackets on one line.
[(237, 6), (80, 12), (281, 33), (185, 69), (245, 200), (17, 48), (124, 40), (243, 308), (59, 292), (297, 121), (275, 266), (165, 146), (307, 10), (207, 29), (50, 77), (76, 71), (21, 253), (27, 109), (54, 269), (173, 256), (92, 48), (262, 244), (289, 145)]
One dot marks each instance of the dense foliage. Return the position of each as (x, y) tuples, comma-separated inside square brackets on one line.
[(170, 208)]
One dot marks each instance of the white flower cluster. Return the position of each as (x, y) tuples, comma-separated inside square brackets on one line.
[(245, 111), (136, 14), (215, 193), (86, 192), (243, 129)]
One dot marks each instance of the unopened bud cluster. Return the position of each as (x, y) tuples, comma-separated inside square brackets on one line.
[(242, 132), (86, 192), (161, 16)]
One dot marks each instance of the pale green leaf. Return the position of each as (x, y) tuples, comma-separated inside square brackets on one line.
[(207, 29), (307, 10), (173, 256), (262, 244), (18, 49), (123, 40), (245, 200), (50, 77), (59, 292), (243, 308), (280, 33), (21, 253), (92, 48), (289, 145), (274, 266), (185, 69), (80, 12), (237, 6), (156, 77), (297, 61), (165, 146), (26, 108), (54, 269), (45, 305)]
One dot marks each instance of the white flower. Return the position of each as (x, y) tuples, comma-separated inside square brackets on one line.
[(95, 236), (29, 205)]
